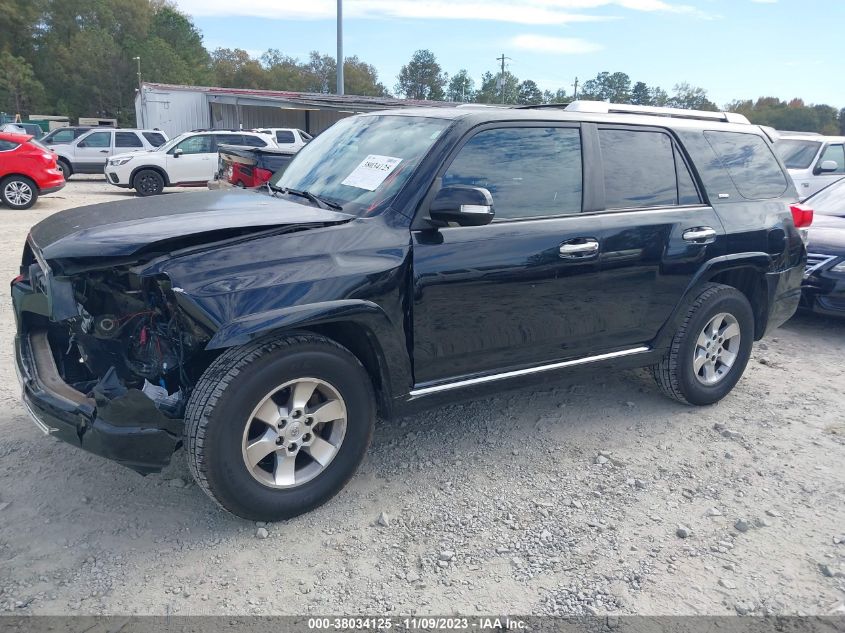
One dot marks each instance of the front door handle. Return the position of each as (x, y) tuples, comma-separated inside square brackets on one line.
[(104, 151), (700, 235), (580, 248)]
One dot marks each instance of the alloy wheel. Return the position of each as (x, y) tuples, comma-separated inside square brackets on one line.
[(716, 349), (17, 193), (294, 433)]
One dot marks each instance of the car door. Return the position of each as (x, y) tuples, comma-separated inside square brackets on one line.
[(193, 160), (657, 231), (92, 151), (524, 290)]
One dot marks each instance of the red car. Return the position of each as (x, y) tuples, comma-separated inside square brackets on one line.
[(27, 170), (250, 166)]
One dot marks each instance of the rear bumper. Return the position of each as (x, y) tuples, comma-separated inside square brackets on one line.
[(53, 188), (58, 410), (784, 292)]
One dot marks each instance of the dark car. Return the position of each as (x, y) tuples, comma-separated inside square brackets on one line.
[(824, 279), (403, 259), (250, 167)]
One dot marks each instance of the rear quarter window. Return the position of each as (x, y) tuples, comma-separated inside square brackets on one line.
[(6, 146), (749, 161)]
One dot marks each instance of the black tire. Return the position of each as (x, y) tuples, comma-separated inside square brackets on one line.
[(233, 386), (675, 373), (65, 167), (148, 182), (18, 192)]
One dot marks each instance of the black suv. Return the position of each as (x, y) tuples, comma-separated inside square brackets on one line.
[(403, 258)]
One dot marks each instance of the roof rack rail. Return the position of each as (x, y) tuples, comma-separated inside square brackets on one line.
[(602, 107), (543, 106)]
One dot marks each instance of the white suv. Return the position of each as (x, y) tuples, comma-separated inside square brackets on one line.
[(287, 137), (189, 160), (88, 153), (813, 161)]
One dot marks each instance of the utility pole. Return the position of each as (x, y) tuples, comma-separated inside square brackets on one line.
[(140, 93), (138, 59), (340, 47), (502, 59), (575, 85)]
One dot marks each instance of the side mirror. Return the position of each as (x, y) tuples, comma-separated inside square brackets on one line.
[(82, 144), (465, 206), (177, 152), (828, 167)]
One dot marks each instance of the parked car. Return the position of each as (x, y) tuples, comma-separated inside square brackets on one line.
[(403, 259), (249, 167), (64, 135), (33, 129), (287, 137), (824, 279), (27, 170), (89, 153), (813, 161), (189, 160)]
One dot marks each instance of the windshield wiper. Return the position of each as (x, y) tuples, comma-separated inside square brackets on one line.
[(323, 203)]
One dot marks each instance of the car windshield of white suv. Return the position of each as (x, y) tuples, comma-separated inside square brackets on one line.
[(171, 143), (797, 154), (359, 164)]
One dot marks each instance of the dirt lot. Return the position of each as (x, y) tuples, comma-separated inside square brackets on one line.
[(561, 500)]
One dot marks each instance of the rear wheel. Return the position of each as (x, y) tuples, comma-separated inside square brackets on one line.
[(148, 182), (18, 192), (65, 168), (277, 427), (710, 349)]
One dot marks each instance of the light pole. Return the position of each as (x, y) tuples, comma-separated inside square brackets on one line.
[(340, 47), (138, 59)]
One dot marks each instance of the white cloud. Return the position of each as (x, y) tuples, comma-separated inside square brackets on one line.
[(555, 45), (538, 12)]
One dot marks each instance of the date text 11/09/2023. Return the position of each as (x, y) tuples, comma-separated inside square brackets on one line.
[(421, 623)]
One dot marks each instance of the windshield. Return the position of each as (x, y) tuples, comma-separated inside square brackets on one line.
[(797, 154), (166, 147), (830, 200), (362, 162)]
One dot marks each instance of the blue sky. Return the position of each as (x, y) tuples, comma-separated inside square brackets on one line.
[(732, 48)]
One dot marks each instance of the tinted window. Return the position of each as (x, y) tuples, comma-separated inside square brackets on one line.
[(836, 154), (154, 138), (230, 139), (797, 154), (285, 136), (639, 169), (5, 146), (254, 141), (530, 172), (200, 144), (751, 164), (97, 139), (127, 139), (62, 136)]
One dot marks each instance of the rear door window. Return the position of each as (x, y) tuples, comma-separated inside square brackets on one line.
[(642, 169), (285, 136), (127, 139), (837, 155), (254, 141), (750, 163), (530, 171)]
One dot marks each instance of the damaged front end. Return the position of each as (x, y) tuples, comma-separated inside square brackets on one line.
[(107, 358)]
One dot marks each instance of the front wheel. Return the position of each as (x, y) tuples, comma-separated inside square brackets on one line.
[(710, 349), (18, 192), (148, 182), (276, 428)]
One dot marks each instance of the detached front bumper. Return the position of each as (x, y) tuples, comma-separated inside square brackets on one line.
[(128, 430)]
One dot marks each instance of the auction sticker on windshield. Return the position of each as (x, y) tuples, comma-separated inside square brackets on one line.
[(372, 171)]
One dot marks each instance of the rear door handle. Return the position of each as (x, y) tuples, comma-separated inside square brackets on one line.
[(700, 235), (579, 248)]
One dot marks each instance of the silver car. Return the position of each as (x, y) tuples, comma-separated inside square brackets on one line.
[(813, 161)]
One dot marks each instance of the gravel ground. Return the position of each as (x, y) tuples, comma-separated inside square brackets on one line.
[(593, 496)]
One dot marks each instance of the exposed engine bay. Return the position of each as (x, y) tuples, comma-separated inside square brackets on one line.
[(129, 334)]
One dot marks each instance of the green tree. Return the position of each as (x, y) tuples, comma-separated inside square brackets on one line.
[(461, 87), (558, 96), (842, 122), (19, 89), (528, 93), (496, 90), (421, 77), (691, 98), (235, 68), (641, 95), (612, 87), (361, 78), (659, 97)]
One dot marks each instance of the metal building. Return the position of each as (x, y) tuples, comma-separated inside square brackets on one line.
[(176, 109)]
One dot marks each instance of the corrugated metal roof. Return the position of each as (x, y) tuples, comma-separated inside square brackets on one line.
[(313, 99)]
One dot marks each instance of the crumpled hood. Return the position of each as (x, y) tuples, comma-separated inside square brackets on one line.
[(827, 235), (123, 228)]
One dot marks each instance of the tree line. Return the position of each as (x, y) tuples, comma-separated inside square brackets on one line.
[(78, 59)]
